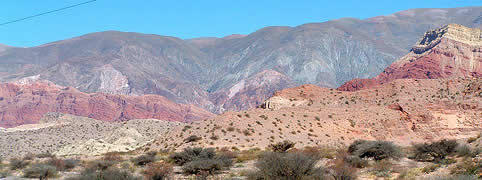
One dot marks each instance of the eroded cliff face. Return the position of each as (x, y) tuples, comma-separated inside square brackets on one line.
[(449, 52), (26, 103)]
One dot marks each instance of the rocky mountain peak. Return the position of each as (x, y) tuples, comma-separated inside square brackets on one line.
[(449, 52), (470, 36)]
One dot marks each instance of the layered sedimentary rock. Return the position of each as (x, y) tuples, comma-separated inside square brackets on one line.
[(25, 103), (449, 52)]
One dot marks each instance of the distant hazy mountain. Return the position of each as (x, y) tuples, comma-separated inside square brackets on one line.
[(213, 72)]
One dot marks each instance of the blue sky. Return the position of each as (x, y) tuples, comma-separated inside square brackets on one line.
[(185, 18)]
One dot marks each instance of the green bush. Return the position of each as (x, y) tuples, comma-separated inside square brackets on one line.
[(281, 146), (41, 171), (16, 163), (377, 150), (277, 165), (436, 151)]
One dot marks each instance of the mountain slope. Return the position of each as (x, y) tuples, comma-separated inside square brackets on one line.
[(26, 103), (57, 134), (451, 51), (404, 111)]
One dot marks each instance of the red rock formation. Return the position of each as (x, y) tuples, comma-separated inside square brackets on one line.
[(27, 103), (452, 51)]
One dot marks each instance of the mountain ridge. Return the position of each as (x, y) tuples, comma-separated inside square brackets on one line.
[(327, 54)]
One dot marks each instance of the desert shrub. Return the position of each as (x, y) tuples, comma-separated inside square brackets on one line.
[(457, 177), (435, 151), (158, 171), (377, 150), (465, 151), (430, 168), (99, 165), (382, 168), (144, 159), (208, 165), (45, 155), (281, 146), (468, 167), (228, 153), (277, 165), (356, 161), (107, 174), (112, 156), (41, 171), (16, 163), (201, 160), (191, 154), (202, 166), (192, 138), (62, 165), (319, 152), (29, 157), (406, 174), (472, 139), (4, 174), (340, 169), (247, 155)]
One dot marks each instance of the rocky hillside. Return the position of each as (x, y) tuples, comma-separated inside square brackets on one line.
[(26, 102), (203, 71), (64, 134), (451, 51), (404, 111)]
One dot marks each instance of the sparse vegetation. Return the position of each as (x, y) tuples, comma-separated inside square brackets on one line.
[(112, 156), (277, 165), (61, 164), (144, 159), (40, 171), (377, 150), (16, 163), (192, 138), (198, 160), (468, 167), (107, 174), (341, 170), (281, 146), (158, 171), (436, 151)]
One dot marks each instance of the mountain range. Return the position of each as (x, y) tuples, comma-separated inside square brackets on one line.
[(236, 72)]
